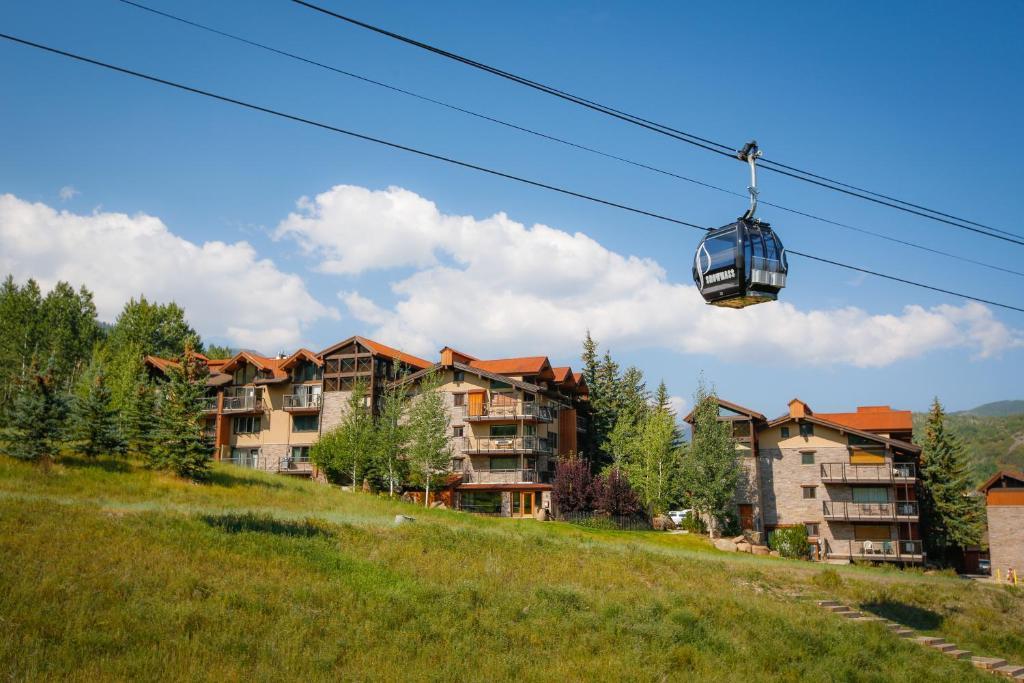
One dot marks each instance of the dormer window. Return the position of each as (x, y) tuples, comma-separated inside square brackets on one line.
[(806, 429)]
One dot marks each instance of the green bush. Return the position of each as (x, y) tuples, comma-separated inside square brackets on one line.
[(828, 579), (694, 524), (790, 542)]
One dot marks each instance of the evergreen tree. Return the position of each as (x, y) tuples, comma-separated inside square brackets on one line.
[(217, 351), (391, 435), (94, 425), (179, 446), (663, 402), (595, 435), (635, 399), (429, 451), (952, 517), (711, 470), (20, 335), (138, 419), (34, 429)]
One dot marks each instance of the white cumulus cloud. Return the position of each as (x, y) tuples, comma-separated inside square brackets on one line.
[(68, 192), (496, 284), (227, 290)]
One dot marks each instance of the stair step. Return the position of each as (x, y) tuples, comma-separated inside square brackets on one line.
[(1010, 670), (958, 654), (892, 625), (850, 614), (836, 608), (944, 647), (868, 618), (987, 662), (827, 603), (906, 632), (929, 640)]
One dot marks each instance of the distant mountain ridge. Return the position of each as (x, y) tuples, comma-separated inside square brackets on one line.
[(996, 409), (993, 434)]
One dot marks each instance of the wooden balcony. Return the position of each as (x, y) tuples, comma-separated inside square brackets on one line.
[(518, 410), (505, 445), (302, 403), (887, 474), (209, 404), (876, 551), (844, 511)]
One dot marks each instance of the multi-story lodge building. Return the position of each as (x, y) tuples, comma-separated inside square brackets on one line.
[(1004, 505), (510, 419), (848, 478)]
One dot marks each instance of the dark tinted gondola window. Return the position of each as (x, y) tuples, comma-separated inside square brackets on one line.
[(722, 249)]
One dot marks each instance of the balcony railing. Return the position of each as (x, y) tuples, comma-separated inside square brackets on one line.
[(242, 404), (514, 476), (295, 465), (506, 444), (876, 551), (302, 401), (889, 473), (250, 461), (518, 410), (581, 423), (209, 404), (899, 511)]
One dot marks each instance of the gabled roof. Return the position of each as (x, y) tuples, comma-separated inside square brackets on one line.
[(163, 365), (473, 370), (301, 354), (381, 350), (845, 429), (1008, 474), (457, 355), (564, 375), (527, 365), (734, 407), (270, 365), (874, 418)]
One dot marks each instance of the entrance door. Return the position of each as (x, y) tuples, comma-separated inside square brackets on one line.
[(747, 517), (522, 503)]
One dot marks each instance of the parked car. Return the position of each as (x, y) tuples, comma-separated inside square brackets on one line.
[(678, 516), (985, 565)]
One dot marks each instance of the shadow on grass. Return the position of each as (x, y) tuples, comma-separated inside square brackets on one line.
[(102, 463), (221, 478), (908, 615), (238, 523)]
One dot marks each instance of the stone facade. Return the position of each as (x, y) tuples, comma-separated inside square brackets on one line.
[(333, 409), (1006, 538)]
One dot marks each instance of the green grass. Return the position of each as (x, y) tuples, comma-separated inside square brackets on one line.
[(108, 571)]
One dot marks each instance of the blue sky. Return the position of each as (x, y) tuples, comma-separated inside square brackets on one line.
[(919, 104)]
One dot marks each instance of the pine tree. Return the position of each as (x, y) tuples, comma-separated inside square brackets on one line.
[(138, 419), (94, 425), (711, 469), (953, 519), (179, 444), (429, 451), (35, 426), (595, 435), (662, 401)]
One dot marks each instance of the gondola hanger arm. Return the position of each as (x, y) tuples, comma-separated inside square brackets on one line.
[(750, 154)]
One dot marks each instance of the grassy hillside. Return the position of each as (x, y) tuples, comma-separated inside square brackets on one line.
[(993, 442), (108, 571)]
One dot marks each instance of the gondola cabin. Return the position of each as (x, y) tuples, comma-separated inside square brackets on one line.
[(740, 264)]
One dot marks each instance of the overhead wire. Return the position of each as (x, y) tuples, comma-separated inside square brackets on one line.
[(466, 164), (684, 136), (553, 138)]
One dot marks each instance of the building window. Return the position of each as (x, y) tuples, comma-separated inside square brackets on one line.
[(245, 457), (305, 423), (854, 440), (458, 399), (806, 429), (785, 432), (486, 502), (306, 371), (459, 376), (812, 528), (553, 440), (457, 432), (503, 430), (300, 453), (529, 430), (504, 462), (872, 532), (498, 385), (456, 464), (807, 458), (245, 424), (741, 429), (870, 494), (810, 492)]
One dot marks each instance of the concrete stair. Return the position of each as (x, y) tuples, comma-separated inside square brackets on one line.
[(993, 665)]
